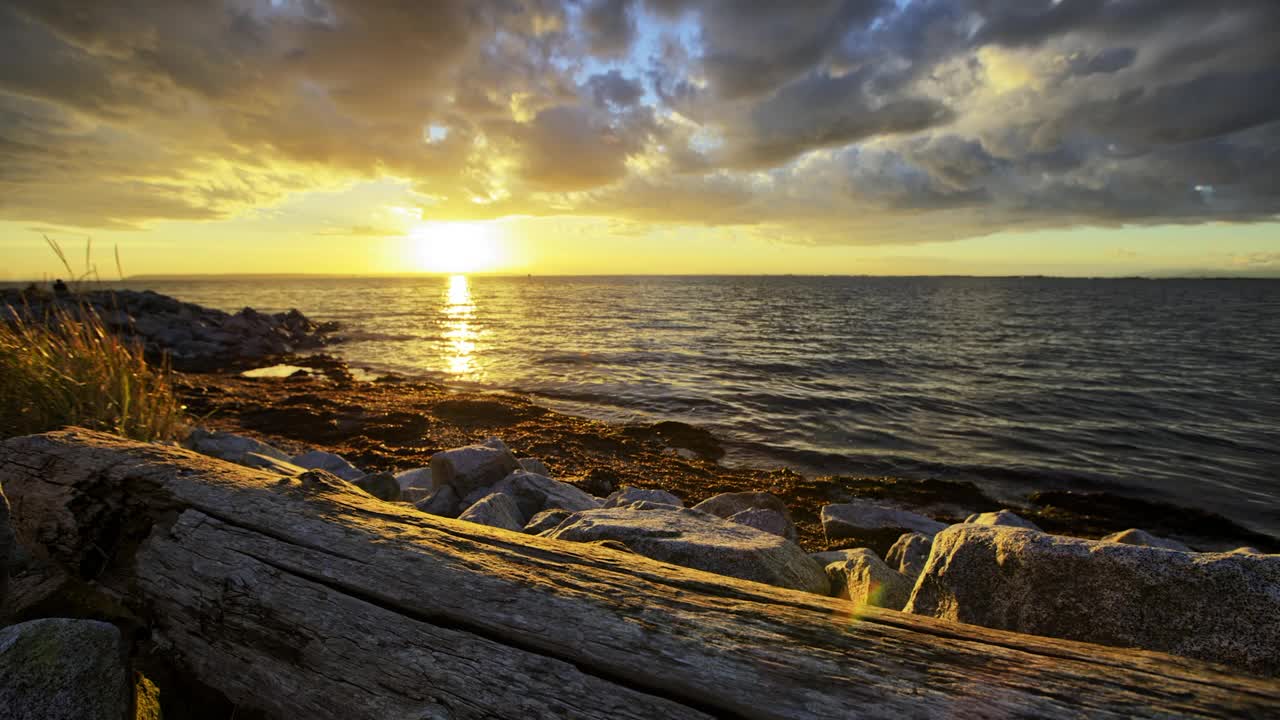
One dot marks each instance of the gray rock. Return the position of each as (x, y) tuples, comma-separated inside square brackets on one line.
[(496, 443), (535, 493), (1134, 536), (698, 540), (495, 510), (415, 478), (862, 577), (414, 495), (8, 546), (909, 555), (381, 485), (443, 502), (535, 466), (735, 504), (231, 447), (1219, 607), (1002, 517), (270, 464), (469, 468), (545, 521), (55, 668), (336, 464), (873, 525), (629, 495), (766, 520)]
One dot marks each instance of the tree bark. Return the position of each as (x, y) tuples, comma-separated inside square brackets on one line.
[(304, 597)]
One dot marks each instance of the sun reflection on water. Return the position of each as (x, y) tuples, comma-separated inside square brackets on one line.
[(459, 331)]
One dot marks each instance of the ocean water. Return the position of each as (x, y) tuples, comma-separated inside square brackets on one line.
[(1162, 389)]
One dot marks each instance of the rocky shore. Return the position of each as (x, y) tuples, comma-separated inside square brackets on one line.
[(1095, 568)]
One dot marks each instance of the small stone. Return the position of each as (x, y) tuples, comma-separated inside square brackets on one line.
[(381, 485), (535, 466), (545, 521), (1003, 517), (729, 505), (862, 577), (472, 467), (415, 478), (535, 493), (56, 668), (336, 464), (495, 510), (443, 502), (909, 554), (1134, 536), (629, 495), (873, 525)]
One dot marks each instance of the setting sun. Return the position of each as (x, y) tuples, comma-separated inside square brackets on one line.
[(455, 247)]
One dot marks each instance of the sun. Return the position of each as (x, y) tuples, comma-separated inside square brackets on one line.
[(455, 247)]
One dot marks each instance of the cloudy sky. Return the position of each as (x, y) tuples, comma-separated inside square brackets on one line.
[(833, 136)]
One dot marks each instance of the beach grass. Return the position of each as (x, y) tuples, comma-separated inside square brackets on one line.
[(68, 368)]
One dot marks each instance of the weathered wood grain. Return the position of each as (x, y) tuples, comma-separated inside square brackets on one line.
[(306, 598)]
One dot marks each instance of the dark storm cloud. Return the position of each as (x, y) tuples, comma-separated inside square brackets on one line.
[(822, 115)]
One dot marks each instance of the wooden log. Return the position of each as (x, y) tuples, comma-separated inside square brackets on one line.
[(303, 597)]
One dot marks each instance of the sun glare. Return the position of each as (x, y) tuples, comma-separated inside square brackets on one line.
[(455, 247)]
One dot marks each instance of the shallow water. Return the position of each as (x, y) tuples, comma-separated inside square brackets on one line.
[(1163, 389)]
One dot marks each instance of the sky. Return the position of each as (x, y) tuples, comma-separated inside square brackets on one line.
[(1064, 137)]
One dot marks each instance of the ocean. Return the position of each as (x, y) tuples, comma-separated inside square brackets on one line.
[(1162, 389)]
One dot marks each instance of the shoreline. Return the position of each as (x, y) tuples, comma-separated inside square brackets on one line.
[(396, 423)]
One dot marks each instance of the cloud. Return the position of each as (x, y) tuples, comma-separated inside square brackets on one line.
[(841, 121)]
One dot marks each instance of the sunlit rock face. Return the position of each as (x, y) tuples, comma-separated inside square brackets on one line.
[(1220, 607)]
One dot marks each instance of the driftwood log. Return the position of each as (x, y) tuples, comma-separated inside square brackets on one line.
[(305, 598)]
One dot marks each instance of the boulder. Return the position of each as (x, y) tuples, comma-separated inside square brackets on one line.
[(443, 502), (415, 478), (8, 546), (467, 469), (270, 464), (545, 521), (231, 447), (1002, 517), (862, 577), (414, 495), (381, 485), (535, 466), (1134, 536), (56, 668), (698, 540), (766, 520), (535, 493), (495, 510), (629, 495), (873, 525), (729, 505), (909, 554), (1220, 607), (336, 464)]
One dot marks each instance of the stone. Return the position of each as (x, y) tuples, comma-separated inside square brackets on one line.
[(270, 464), (469, 468), (8, 546), (415, 478), (766, 520), (909, 554), (728, 505), (1002, 517), (535, 466), (1219, 607), (414, 495), (57, 668), (336, 464), (495, 443), (873, 525), (698, 540), (1134, 536), (443, 502), (629, 494), (381, 485), (545, 521), (863, 578), (231, 447), (495, 510), (535, 493)]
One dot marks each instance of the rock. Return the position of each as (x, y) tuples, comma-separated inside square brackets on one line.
[(862, 577), (535, 466), (629, 495), (1134, 536), (1002, 517), (270, 464), (231, 447), (728, 505), (443, 502), (415, 478), (469, 468), (8, 546), (873, 525), (535, 493), (414, 495), (545, 521), (336, 464), (1247, 551), (698, 540), (766, 520), (381, 485), (1219, 607), (909, 554), (495, 510), (55, 668)]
